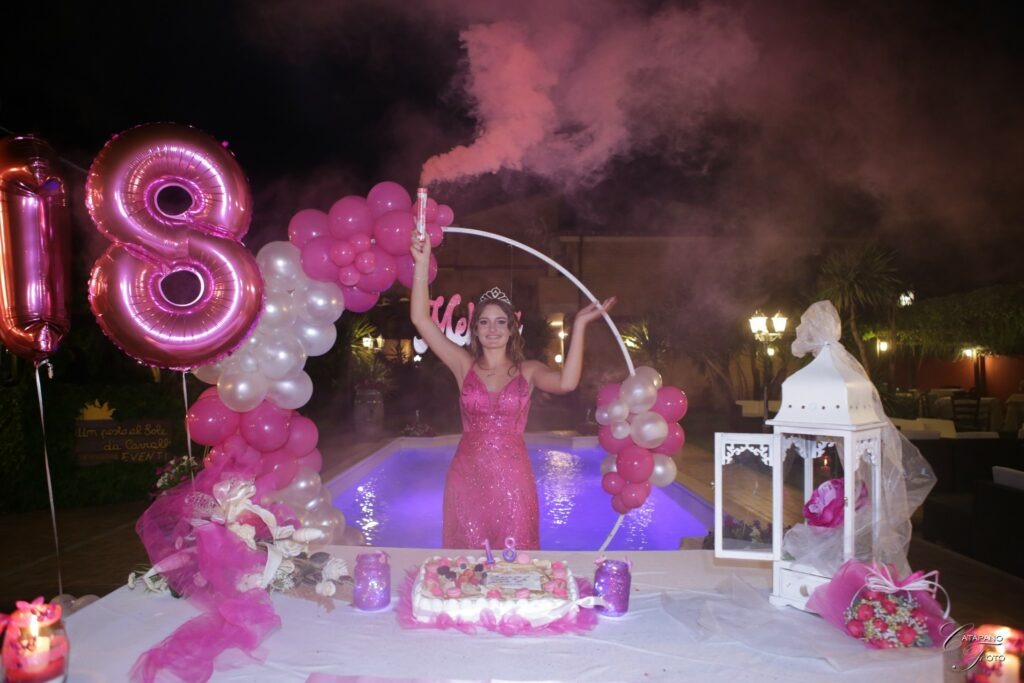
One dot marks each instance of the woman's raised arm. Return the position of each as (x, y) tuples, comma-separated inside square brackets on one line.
[(451, 354), (555, 381)]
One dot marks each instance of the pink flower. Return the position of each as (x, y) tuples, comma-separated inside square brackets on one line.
[(871, 595), (825, 508), (880, 624), (889, 606), (865, 612), (855, 628), (906, 635), (920, 614)]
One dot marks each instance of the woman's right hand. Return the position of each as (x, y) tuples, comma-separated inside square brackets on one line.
[(419, 248)]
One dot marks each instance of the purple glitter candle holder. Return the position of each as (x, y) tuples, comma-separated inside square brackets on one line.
[(372, 590), (611, 582)]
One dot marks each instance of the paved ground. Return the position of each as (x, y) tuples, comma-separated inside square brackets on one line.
[(99, 548)]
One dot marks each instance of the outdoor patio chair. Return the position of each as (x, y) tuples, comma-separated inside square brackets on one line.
[(966, 412)]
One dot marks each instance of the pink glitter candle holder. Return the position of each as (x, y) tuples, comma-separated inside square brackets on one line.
[(35, 648), (612, 582), (372, 590)]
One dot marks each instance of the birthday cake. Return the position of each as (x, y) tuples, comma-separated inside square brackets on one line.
[(469, 590)]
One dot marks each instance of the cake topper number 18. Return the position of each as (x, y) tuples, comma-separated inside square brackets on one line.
[(509, 553)]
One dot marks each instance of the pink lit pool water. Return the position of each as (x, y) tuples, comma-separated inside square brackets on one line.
[(394, 497)]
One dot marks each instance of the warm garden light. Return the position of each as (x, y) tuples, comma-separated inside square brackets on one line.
[(906, 299), (779, 322), (771, 350), (759, 323), (368, 342), (883, 346), (969, 353), (558, 358)]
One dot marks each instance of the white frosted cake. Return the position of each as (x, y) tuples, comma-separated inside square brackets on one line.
[(466, 588)]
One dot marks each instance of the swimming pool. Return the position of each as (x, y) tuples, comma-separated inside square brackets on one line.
[(394, 497)]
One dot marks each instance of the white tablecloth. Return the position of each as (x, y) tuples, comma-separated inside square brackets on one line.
[(678, 628)]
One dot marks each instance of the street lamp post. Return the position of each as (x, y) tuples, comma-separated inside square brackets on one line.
[(761, 332)]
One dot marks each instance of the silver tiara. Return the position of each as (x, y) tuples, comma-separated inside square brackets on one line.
[(495, 294)]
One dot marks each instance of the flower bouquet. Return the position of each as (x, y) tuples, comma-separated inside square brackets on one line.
[(871, 603)]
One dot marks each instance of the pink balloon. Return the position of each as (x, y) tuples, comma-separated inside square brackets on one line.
[(635, 464), (609, 442), (248, 459), (209, 391), (405, 268), (673, 442), (388, 196), (608, 393), (342, 253), (618, 505), (393, 232), (436, 234), (173, 290), (265, 427), (612, 482), (234, 449), (316, 260), (671, 404), (634, 494), (360, 243), (313, 460), (358, 301), (350, 216), (284, 464), (366, 262), (210, 421), (383, 274), (302, 436), (445, 215), (306, 225), (348, 276), (35, 239)]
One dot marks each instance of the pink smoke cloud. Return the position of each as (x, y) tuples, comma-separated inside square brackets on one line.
[(563, 98)]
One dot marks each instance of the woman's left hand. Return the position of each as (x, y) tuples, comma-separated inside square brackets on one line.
[(594, 310)]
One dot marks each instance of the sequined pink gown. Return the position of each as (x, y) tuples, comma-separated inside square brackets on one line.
[(490, 491)]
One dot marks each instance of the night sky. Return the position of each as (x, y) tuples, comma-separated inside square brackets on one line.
[(788, 124)]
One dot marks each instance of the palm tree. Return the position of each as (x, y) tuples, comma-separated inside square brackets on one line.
[(858, 279)]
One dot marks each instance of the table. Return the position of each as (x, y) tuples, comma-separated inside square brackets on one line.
[(668, 635)]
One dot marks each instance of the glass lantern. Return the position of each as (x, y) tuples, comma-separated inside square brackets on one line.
[(35, 648)]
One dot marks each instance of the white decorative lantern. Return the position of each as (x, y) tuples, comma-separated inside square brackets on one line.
[(828, 422)]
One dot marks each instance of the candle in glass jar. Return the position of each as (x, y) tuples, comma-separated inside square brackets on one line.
[(35, 647), (372, 576), (612, 582)]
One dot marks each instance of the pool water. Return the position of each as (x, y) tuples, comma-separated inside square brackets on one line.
[(394, 497)]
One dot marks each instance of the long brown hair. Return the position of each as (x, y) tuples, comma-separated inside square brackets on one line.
[(514, 347)]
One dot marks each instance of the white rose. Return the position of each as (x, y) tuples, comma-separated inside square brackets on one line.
[(326, 588), (335, 569)]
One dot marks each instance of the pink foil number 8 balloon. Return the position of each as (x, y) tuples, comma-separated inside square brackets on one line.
[(176, 289)]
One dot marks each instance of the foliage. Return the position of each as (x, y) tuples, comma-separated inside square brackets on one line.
[(856, 280), (991, 319)]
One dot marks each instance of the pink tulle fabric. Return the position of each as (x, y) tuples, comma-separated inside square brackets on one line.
[(833, 598), (490, 492), (584, 620), (204, 564)]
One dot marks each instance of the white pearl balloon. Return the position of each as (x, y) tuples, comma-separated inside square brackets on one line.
[(281, 355), (617, 410), (316, 339), (620, 430), (241, 391), (292, 392), (651, 375), (278, 311), (664, 470), (601, 416), (609, 464), (300, 493), (638, 393), (208, 373), (648, 429), (323, 303), (281, 265)]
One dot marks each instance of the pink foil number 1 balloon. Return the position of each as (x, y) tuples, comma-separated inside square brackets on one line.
[(35, 248), (176, 289)]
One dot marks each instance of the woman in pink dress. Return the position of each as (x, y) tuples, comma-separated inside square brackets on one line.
[(490, 493)]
